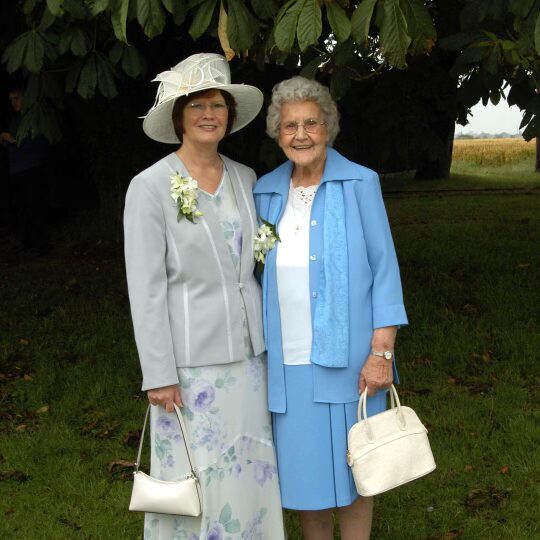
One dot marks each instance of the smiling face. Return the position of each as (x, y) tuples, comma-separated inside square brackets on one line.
[(302, 148), (204, 118)]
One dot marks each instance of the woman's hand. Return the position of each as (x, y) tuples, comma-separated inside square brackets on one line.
[(377, 372), (165, 396), (7, 138)]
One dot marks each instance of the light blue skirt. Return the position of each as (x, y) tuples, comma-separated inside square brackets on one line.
[(311, 445)]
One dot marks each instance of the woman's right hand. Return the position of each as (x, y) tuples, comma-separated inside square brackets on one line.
[(165, 396), (7, 138)]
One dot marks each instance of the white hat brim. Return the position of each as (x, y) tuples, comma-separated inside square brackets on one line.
[(158, 123)]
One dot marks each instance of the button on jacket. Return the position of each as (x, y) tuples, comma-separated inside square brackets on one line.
[(375, 295), (187, 303)]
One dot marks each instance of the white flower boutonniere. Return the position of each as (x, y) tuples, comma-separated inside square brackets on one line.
[(184, 192), (264, 241)]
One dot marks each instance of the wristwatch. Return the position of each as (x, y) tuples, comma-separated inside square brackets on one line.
[(388, 355)]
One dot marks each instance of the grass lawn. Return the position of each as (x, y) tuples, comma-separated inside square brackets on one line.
[(69, 378)]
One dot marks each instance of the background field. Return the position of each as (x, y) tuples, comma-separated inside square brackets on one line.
[(70, 405)]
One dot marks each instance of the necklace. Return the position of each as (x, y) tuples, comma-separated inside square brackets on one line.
[(301, 202)]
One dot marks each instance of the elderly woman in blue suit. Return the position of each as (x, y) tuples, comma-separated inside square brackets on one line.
[(332, 303)]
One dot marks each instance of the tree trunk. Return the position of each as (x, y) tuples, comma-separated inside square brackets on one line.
[(439, 167)]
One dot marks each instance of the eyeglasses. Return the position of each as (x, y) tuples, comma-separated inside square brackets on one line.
[(199, 108), (311, 125)]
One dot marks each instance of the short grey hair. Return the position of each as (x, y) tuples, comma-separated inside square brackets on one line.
[(301, 89)]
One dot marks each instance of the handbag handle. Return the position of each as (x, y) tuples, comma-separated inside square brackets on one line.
[(184, 438), (394, 404)]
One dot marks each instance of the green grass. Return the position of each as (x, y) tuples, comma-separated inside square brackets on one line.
[(468, 364)]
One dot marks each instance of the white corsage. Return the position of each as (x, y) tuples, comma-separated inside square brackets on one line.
[(184, 192), (264, 241)]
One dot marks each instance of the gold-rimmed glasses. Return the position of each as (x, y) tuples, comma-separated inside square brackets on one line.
[(311, 125)]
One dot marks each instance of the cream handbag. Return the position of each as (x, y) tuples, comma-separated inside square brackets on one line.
[(387, 449), (180, 498)]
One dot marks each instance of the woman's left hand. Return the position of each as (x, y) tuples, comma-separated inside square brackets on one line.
[(376, 374)]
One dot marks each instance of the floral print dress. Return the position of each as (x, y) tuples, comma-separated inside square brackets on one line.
[(229, 429)]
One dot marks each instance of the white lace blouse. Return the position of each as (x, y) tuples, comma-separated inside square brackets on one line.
[(293, 275)]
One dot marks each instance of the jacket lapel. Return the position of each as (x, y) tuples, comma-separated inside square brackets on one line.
[(246, 209)]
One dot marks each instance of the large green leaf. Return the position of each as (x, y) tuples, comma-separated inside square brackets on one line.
[(118, 19), (105, 77), (520, 7), (72, 76), (177, 8), (76, 8), (310, 69), (151, 17), (133, 62), (35, 51), (88, 78), (309, 24), (361, 19), (339, 22), (116, 52), (40, 119), (395, 40), (286, 23), (419, 24), (265, 9), (29, 5), (79, 44), (73, 38), (97, 6), (202, 18), (55, 7), (14, 54), (47, 20), (42, 86), (241, 26), (537, 35)]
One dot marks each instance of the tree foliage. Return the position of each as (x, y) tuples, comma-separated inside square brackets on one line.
[(88, 47), (91, 45)]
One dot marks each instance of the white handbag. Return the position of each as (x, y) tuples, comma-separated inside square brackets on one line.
[(387, 449), (180, 498)]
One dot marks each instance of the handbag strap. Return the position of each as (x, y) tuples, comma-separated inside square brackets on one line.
[(183, 429), (394, 404)]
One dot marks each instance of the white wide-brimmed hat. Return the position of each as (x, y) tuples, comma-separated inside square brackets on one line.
[(198, 72)]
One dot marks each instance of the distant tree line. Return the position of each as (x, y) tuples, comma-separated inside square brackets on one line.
[(484, 135)]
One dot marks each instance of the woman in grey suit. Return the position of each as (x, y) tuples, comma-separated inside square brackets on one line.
[(189, 227)]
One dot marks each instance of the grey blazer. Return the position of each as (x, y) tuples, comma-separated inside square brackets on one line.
[(187, 304)]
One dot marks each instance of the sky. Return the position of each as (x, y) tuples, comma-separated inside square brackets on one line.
[(492, 119)]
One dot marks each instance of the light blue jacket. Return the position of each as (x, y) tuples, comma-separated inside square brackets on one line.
[(375, 296)]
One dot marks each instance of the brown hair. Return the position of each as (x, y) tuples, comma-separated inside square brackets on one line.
[(181, 102)]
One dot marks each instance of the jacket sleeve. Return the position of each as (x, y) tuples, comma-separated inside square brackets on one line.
[(387, 295), (145, 248)]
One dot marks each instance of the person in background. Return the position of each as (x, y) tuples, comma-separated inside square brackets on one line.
[(332, 301), (28, 186)]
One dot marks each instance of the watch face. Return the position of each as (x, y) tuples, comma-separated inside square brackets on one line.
[(388, 355)]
